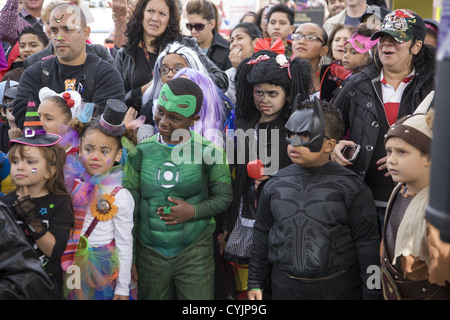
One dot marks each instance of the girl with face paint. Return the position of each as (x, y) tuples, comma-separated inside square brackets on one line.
[(40, 202), (103, 210), (266, 86)]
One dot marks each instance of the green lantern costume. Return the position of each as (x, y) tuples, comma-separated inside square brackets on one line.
[(197, 172)]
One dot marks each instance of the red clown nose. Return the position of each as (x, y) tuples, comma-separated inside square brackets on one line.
[(255, 169)]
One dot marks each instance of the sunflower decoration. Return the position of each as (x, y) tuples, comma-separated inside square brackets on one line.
[(104, 209)]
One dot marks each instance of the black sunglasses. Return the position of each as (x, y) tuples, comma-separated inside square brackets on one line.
[(197, 26)]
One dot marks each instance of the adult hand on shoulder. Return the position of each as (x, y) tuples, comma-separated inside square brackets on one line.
[(382, 163), (182, 211), (337, 156)]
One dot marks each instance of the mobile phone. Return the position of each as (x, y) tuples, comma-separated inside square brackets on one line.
[(351, 152)]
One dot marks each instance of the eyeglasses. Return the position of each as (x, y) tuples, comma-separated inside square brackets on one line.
[(197, 26), (308, 37), (165, 71)]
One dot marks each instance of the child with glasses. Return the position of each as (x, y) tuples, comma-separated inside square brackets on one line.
[(172, 59), (310, 43)]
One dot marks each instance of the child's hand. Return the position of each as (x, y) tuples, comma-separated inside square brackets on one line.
[(181, 212), (254, 295), (221, 241)]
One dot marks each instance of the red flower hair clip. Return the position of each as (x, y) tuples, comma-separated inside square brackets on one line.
[(69, 101)]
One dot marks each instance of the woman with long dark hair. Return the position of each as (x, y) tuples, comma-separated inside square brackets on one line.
[(153, 25)]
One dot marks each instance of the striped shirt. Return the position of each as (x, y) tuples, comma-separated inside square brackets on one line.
[(392, 97), (11, 23)]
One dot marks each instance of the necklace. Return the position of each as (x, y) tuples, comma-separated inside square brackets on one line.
[(147, 55)]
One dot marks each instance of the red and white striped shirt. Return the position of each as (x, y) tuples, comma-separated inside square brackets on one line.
[(392, 97)]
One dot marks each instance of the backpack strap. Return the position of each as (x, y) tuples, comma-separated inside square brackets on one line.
[(86, 82), (46, 66)]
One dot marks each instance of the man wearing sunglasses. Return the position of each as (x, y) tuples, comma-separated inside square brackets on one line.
[(203, 25)]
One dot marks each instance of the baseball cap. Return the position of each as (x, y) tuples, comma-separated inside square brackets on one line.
[(403, 25), (379, 12)]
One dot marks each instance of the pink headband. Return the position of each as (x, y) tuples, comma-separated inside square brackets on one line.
[(365, 41), (431, 27)]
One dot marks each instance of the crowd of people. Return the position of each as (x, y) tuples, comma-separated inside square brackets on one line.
[(282, 161)]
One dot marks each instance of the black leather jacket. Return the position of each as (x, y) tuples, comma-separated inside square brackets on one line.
[(21, 273), (313, 223), (361, 103), (125, 63), (219, 52)]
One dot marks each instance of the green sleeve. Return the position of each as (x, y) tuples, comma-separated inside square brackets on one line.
[(131, 181), (220, 193)]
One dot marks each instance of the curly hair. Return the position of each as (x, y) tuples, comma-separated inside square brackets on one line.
[(334, 123), (134, 31), (269, 71)]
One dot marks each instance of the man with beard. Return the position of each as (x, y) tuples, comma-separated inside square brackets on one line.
[(72, 69)]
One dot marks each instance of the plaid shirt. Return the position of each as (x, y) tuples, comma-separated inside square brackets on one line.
[(11, 24)]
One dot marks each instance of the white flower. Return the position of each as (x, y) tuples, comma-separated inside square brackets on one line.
[(281, 59)]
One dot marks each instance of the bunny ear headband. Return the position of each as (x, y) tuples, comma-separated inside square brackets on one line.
[(72, 98)]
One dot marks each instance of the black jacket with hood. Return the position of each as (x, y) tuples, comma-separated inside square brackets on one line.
[(125, 62)]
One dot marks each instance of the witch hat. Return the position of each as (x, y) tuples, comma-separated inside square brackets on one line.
[(33, 133)]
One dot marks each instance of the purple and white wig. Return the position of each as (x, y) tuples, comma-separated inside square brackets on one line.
[(192, 60), (212, 113)]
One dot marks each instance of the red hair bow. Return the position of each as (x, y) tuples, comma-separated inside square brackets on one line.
[(265, 44), (70, 102)]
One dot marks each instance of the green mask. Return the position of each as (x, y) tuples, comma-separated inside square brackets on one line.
[(172, 102)]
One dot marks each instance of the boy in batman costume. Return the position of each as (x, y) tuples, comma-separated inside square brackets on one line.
[(315, 223)]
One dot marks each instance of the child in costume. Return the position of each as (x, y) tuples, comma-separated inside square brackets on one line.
[(40, 201), (316, 223), (415, 261), (358, 50), (266, 85), (213, 111), (179, 183), (101, 241), (57, 109)]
